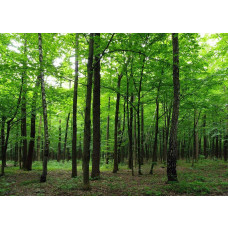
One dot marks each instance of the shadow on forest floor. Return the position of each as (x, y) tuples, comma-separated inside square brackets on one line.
[(207, 177)]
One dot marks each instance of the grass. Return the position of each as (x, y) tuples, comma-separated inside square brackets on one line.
[(4, 186), (207, 177)]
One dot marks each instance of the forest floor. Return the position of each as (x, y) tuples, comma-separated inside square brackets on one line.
[(207, 177)]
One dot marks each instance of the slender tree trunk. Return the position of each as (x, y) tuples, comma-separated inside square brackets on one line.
[(65, 140), (171, 155), (33, 127), (225, 147), (204, 137), (16, 147), (131, 165), (107, 135), (5, 149), (44, 105), (225, 137), (135, 138), (138, 120), (75, 101), (168, 129), (59, 157), (121, 134), (3, 143), (216, 147), (118, 139), (142, 135), (115, 168), (130, 161), (87, 125), (197, 139), (154, 156), (23, 107), (220, 147), (39, 139), (96, 111), (213, 148)]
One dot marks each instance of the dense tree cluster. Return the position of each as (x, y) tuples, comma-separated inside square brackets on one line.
[(113, 98)]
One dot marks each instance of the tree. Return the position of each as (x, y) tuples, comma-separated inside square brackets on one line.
[(23, 107), (87, 123), (74, 137), (44, 106), (59, 156), (33, 126), (65, 139), (171, 155), (107, 134), (115, 168), (96, 111)]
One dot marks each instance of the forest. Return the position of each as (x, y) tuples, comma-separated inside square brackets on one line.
[(114, 114)]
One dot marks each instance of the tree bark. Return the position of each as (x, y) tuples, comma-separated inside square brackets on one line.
[(33, 127), (142, 135), (135, 137), (59, 156), (115, 168), (87, 124), (204, 137), (39, 139), (96, 111), (154, 156), (44, 106), (3, 143), (65, 139), (16, 147), (75, 103), (171, 155), (23, 108), (130, 164), (138, 119), (107, 134)]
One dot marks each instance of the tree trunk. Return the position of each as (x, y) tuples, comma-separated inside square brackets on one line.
[(87, 124), (154, 156), (204, 137), (216, 146), (16, 147), (44, 106), (23, 108), (3, 143), (130, 148), (59, 156), (115, 168), (138, 119), (107, 135), (131, 165), (65, 140), (135, 138), (142, 135), (33, 127), (75, 102), (39, 139), (96, 111), (171, 155), (121, 134)]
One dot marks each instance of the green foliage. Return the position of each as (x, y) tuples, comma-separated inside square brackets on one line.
[(192, 188), (4, 187), (25, 183), (152, 192)]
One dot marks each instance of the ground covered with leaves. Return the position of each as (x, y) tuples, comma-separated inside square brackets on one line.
[(207, 177)]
